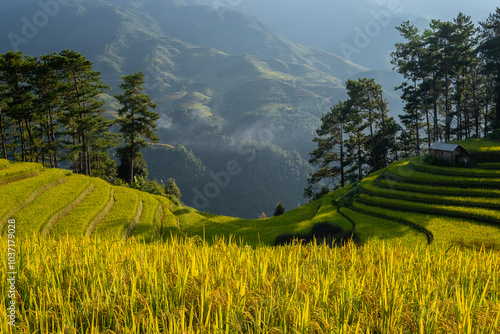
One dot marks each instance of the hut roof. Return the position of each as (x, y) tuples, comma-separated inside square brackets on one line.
[(444, 147)]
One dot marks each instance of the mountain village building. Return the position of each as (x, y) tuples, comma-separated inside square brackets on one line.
[(449, 152)]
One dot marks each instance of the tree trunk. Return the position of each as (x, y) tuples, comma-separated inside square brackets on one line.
[(342, 177), (417, 129), (3, 136), (360, 169), (382, 110), (23, 142), (132, 162), (374, 166), (447, 107), (436, 120), (53, 139), (497, 102)]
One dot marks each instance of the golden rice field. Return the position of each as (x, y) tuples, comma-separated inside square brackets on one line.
[(90, 257), (99, 286)]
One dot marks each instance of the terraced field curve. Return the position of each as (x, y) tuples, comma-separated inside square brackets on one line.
[(447, 204), (410, 202), (57, 202)]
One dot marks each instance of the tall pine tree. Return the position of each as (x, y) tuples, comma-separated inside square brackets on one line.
[(137, 122), (490, 51)]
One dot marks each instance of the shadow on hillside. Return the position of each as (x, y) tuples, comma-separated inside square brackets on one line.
[(321, 233), (181, 212)]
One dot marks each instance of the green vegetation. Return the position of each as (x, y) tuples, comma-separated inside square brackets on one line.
[(16, 195), (147, 228), (370, 228), (47, 205), (418, 164), (78, 219), (18, 172), (479, 145), (137, 122), (436, 204), (403, 173), (127, 205), (428, 258)]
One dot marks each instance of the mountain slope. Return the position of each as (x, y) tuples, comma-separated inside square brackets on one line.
[(223, 87)]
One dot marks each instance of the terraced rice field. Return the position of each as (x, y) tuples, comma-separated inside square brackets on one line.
[(57, 202), (410, 202), (447, 204)]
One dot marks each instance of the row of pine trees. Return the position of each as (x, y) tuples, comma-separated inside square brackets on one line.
[(451, 91), (452, 72), (52, 110)]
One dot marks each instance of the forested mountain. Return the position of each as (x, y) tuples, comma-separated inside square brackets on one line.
[(238, 104), (227, 90)]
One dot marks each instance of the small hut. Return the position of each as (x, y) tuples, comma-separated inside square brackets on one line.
[(449, 152)]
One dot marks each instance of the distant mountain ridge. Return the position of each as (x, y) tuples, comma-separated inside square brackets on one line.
[(220, 85)]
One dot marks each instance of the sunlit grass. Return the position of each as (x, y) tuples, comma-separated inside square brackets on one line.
[(101, 286), (35, 215), (76, 221), (479, 145)]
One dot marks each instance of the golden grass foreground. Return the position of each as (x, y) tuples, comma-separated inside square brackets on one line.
[(187, 286)]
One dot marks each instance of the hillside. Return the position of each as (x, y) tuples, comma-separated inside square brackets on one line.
[(218, 84), (410, 202)]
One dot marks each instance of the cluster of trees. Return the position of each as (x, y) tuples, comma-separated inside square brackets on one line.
[(52, 111), (356, 137), (451, 91), (452, 73)]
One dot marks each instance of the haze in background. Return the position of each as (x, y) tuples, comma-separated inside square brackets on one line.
[(335, 25)]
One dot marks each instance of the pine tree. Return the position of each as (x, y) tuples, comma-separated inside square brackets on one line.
[(137, 122), (330, 153), (490, 52), (15, 70), (46, 85), (4, 122), (365, 95), (83, 107)]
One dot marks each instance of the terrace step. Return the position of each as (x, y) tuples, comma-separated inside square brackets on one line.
[(478, 214), (78, 219)]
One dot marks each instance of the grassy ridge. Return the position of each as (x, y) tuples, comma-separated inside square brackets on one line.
[(401, 172), (263, 231), (76, 221), (169, 224), (445, 191), (443, 229), (18, 169), (16, 195), (373, 229), (479, 214), (425, 265), (419, 165), (479, 145), (125, 207), (409, 199), (369, 186), (34, 216), (147, 226)]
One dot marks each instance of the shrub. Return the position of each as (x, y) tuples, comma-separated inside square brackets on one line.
[(172, 189), (154, 188), (280, 209)]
